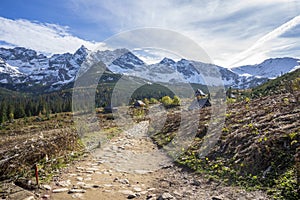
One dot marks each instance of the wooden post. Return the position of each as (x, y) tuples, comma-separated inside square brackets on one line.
[(36, 175)]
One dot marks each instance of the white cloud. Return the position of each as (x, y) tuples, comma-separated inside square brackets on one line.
[(260, 44), (46, 38), (154, 55), (223, 28)]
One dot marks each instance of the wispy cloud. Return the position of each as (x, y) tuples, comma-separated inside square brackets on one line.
[(47, 38), (223, 28), (152, 56), (257, 46), (232, 32)]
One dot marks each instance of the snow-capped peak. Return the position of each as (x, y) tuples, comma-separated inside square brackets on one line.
[(270, 68), (82, 50), (26, 66), (8, 69), (80, 55), (128, 61), (167, 61), (21, 65)]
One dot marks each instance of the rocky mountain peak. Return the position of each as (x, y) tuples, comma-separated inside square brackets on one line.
[(167, 61), (128, 61), (82, 51), (21, 65), (270, 68)]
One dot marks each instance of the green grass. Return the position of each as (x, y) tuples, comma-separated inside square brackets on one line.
[(275, 86)]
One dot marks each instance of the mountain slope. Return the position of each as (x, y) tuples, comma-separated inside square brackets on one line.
[(279, 85), (270, 68), (258, 146), (25, 69), (7, 72), (188, 71), (21, 65)]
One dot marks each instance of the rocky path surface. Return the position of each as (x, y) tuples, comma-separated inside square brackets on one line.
[(131, 167)]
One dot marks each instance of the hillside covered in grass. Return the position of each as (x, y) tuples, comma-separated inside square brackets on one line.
[(259, 145), (286, 83)]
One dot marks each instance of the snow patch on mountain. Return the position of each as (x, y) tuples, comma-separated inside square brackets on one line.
[(27, 66), (21, 65), (270, 68), (8, 69)]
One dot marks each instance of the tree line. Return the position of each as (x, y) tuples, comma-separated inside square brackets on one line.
[(26, 106), (14, 105)]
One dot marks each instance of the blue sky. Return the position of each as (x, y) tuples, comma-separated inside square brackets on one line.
[(55, 12), (232, 32)]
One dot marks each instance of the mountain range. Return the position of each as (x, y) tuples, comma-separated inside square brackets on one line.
[(24, 67)]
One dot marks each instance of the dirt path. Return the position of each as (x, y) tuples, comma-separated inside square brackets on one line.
[(131, 167)]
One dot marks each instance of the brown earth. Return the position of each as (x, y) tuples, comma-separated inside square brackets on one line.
[(114, 172), (257, 134)]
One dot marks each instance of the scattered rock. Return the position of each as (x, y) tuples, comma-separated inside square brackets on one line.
[(196, 183), (46, 196), (143, 192), (77, 191), (116, 179), (124, 181), (100, 162), (126, 192), (140, 171), (96, 186), (137, 189), (131, 196), (77, 196), (216, 198), (165, 196), (79, 168), (151, 189), (175, 184), (178, 193), (114, 148), (88, 179), (86, 186), (29, 198), (108, 185), (81, 183), (59, 190), (92, 169), (150, 196), (66, 183), (46, 187)]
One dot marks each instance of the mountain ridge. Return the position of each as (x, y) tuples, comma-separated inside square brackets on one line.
[(271, 67), (25, 66)]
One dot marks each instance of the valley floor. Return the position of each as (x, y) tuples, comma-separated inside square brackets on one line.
[(131, 167)]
